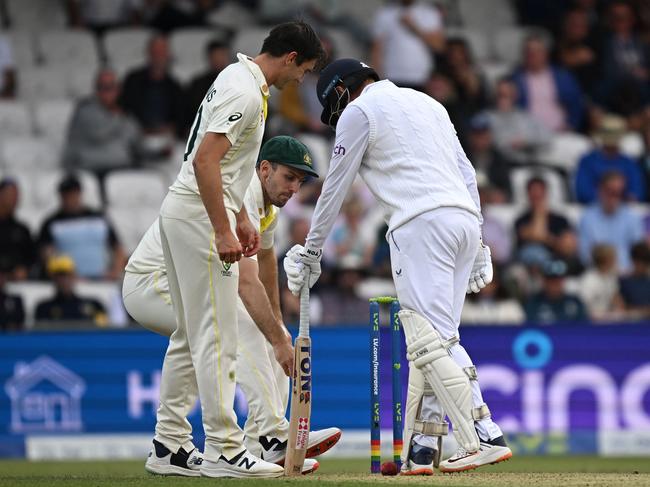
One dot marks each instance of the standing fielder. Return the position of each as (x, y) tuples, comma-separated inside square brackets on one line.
[(407, 152), (283, 164), (199, 219)]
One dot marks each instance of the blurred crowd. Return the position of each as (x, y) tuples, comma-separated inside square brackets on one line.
[(551, 102)]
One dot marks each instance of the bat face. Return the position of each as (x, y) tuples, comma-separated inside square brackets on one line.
[(300, 408)]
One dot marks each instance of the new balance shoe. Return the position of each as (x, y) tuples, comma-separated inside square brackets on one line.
[(420, 461), (162, 461), (243, 465), (274, 450), (489, 452)]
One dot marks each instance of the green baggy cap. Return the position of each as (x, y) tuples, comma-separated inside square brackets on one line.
[(288, 151)]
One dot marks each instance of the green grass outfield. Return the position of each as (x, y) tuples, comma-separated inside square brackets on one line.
[(520, 471)]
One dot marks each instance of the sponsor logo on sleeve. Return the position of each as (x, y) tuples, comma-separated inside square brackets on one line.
[(234, 117), (339, 150)]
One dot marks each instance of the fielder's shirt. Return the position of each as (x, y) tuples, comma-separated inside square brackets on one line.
[(148, 256), (405, 148), (236, 106)]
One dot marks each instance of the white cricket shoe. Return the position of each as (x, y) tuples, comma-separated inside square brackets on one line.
[(243, 465), (274, 450), (162, 461), (489, 452)]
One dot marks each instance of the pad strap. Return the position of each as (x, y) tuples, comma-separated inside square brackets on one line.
[(481, 412), (471, 372), (429, 428), (428, 390)]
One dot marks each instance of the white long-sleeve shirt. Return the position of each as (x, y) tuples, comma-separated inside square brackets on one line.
[(405, 148)]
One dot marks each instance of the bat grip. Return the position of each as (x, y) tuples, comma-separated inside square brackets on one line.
[(303, 329)]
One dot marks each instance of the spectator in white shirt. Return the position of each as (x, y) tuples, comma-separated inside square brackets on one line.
[(404, 35)]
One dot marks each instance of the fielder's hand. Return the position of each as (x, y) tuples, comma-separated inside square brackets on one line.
[(228, 247), (249, 237), (482, 272), (283, 351), (302, 264)]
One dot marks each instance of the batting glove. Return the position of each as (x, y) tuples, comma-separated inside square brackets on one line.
[(482, 272), (302, 266)]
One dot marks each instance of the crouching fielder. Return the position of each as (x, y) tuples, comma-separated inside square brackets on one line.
[(406, 150), (283, 164)]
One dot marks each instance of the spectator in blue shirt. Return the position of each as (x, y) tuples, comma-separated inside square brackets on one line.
[(550, 93), (84, 234), (607, 158), (610, 221)]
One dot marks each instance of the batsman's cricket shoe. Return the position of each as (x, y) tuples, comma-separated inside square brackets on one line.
[(420, 461), (242, 465), (274, 450), (489, 452), (162, 461)]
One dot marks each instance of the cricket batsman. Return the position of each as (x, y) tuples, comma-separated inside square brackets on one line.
[(204, 232), (284, 163), (405, 148)]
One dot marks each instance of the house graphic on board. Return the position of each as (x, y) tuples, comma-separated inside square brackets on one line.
[(45, 396)]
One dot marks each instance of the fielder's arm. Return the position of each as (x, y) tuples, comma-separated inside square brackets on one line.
[(253, 295), (268, 273), (207, 169)]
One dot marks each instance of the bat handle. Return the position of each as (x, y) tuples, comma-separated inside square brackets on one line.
[(303, 330)]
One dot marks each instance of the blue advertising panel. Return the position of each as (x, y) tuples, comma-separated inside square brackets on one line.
[(553, 389)]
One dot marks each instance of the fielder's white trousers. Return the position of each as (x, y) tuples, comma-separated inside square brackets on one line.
[(203, 348), (147, 299), (431, 258)]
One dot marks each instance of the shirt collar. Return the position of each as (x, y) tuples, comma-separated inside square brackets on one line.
[(256, 72), (377, 84), (266, 214)]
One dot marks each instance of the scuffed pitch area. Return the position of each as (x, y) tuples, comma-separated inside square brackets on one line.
[(520, 471)]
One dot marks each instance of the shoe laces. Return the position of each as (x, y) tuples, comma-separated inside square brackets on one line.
[(460, 453)]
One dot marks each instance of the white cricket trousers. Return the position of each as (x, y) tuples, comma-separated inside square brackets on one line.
[(266, 387), (203, 348), (432, 257)]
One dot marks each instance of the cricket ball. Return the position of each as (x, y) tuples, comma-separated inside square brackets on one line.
[(388, 468)]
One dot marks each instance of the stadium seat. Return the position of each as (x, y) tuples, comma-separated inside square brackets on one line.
[(28, 153), (479, 43), (185, 73), (188, 47), (36, 15), (107, 293), (230, 14), (249, 41), (80, 81), (134, 189), (131, 223), (68, 48), (565, 150), (43, 83), (509, 42), (363, 13), (498, 13), (41, 190), (15, 119), (32, 293), (505, 214), (126, 48), (573, 213), (494, 71), (345, 46), (22, 48), (51, 119), (557, 187)]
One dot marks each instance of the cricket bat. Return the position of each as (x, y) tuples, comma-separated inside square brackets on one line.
[(300, 393)]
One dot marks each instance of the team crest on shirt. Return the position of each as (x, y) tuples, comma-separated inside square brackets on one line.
[(226, 272)]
